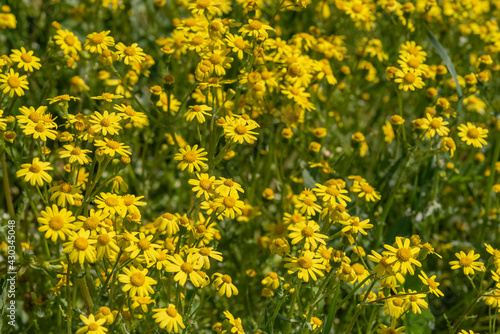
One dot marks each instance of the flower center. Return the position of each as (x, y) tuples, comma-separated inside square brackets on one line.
[(226, 279), (35, 117), (171, 311), (357, 8), (187, 267), (473, 133), (367, 188), (70, 40), (205, 184), (201, 229), (137, 279), (326, 254), (56, 223), (307, 231), (413, 298), (332, 191), (129, 51), (65, 188), (229, 202), (93, 326), (255, 25), (202, 4), (431, 283), (413, 50), (273, 275), (190, 157), (358, 268), (215, 59), (114, 145), (128, 200), (397, 301), (240, 129), (81, 243), (111, 201), (97, 38), (240, 44), (465, 261), (105, 310), (205, 251), (410, 78), (39, 127), (76, 151), (26, 58), (295, 91), (296, 218), (413, 63), (404, 254), (105, 122), (130, 112), (435, 123), (104, 239), (144, 244), (304, 262), (35, 168), (198, 40)]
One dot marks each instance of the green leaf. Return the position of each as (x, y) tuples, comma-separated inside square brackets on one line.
[(420, 323), (447, 61), (309, 181)]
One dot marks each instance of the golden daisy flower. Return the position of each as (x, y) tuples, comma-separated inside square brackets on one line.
[(415, 301), (105, 123), (97, 42), (332, 194), (64, 192), (25, 60), (307, 231), (92, 222), (434, 124), (169, 317), (68, 42), (473, 135), (80, 247), (403, 256), (224, 284), (203, 185), (106, 245), (112, 147), (235, 322), (92, 325), (408, 80), (75, 154), (306, 265), (431, 283), (12, 83), (111, 204), (35, 172), (143, 246), (198, 112), (57, 224), (137, 282), (255, 28), (191, 158), (130, 54), (142, 302), (185, 269), (467, 262)]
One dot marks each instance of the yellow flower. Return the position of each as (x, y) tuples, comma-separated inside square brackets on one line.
[(75, 154), (473, 135), (35, 173), (169, 318), (80, 247), (204, 254), (12, 83), (137, 282), (448, 144), (40, 130), (64, 192), (229, 206), (62, 98), (143, 246), (141, 302), (366, 190), (130, 54), (112, 147), (203, 185), (353, 225), (198, 112), (467, 262), (111, 204), (56, 223), (98, 42), (92, 325), (235, 322), (383, 329), (25, 59), (407, 79), (205, 7), (224, 284), (227, 187), (105, 123), (403, 257), (332, 194), (415, 301), (434, 124), (106, 245), (68, 42), (255, 28), (185, 269), (308, 233), (431, 283), (306, 265), (191, 158)]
